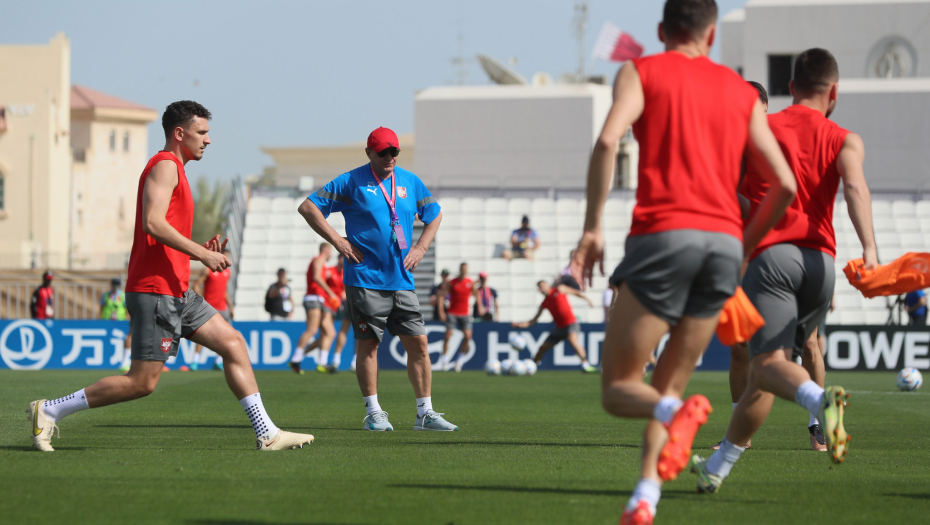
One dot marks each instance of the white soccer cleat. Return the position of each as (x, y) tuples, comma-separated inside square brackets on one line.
[(284, 440), (42, 426)]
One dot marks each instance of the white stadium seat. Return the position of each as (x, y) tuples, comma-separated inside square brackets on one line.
[(565, 207), (881, 208), (922, 208), (283, 205), (472, 206), (259, 204), (257, 220), (903, 208), (519, 207), (907, 224), (450, 205), (496, 206), (543, 207)]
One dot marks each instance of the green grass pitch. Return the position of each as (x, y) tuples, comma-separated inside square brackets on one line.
[(530, 450)]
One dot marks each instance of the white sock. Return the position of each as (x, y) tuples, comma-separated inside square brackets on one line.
[(584, 362), (262, 424), (665, 409), (812, 420), (723, 460), (324, 357), (809, 396), (298, 355), (127, 358), (371, 404), (423, 405), (218, 360), (58, 409), (337, 359), (646, 490)]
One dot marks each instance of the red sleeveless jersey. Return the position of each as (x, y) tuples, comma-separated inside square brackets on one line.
[(312, 287), (811, 143), (692, 134), (214, 289), (154, 267), (459, 292), (334, 280), (561, 310)]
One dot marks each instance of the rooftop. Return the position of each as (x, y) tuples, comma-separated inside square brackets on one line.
[(83, 97)]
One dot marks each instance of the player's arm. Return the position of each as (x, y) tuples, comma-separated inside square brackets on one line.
[(858, 198), (478, 305), (156, 195), (766, 157), (201, 281), (418, 250), (441, 301), (497, 315), (744, 204), (626, 109), (571, 291), (532, 321), (317, 222)]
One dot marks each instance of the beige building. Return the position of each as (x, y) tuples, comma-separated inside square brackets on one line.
[(35, 154), (312, 167), (109, 141)]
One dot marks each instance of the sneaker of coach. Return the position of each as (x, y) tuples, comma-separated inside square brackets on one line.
[(434, 421), (285, 440), (377, 421), (42, 426)]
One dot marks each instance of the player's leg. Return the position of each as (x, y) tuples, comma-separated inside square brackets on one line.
[(314, 315), (446, 356), (739, 377), (368, 312), (406, 321), (576, 345), (544, 349), (812, 361), (341, 338), (327, 334), (466, 343), (202, 325)]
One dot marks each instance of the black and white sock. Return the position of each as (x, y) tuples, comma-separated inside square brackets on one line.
[(262, 424), (58, 409)]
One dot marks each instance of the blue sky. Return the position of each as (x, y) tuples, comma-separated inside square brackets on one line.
[(289, 73)]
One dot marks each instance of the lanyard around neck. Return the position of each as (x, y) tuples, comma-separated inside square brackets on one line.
[(391, 202)]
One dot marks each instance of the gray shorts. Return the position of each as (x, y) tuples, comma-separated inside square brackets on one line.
[(343, 312), (371, 311), (158, 322), (225, 315), (462, 322), (681, 272), (792, 288), (313, 305), (560, 334)]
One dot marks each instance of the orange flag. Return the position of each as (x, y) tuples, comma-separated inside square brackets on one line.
[(905, 274), (739, 319)]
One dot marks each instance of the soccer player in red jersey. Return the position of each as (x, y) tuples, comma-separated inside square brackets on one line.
[(460, 290), (318, 292), (693, 120), (43, 298), (161, 304), (790, 277), (332, 305), (213, 286), (566, 324)]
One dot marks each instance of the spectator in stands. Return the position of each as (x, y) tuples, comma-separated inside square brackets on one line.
[(437, 297), (43, 299), (113, 303), (523, 242), (278, 301), (916, 305), (486, 306)]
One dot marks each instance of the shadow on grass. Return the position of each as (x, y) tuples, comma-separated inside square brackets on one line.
[(520, 444), (256, 522), (666, 494), (17, 448), (911, 496), (238, 427)]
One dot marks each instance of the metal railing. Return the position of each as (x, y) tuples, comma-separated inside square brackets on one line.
[(72, 300), (235, 224)]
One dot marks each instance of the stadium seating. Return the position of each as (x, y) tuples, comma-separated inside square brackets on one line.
[(475, 230)]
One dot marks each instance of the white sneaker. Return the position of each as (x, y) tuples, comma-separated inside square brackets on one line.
[(434, 421), (42, 426), (284, 440)]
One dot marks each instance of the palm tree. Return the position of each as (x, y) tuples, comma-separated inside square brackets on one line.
[(210, 209)]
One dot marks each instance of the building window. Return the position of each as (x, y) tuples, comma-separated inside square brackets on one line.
[(781, 71), (2, 193), (126, 141), (113, 140), (79, 155)]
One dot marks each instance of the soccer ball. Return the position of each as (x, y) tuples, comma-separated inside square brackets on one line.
[(518, 368), (493, 367), (530, 366), (517, 341), (506, 365), (909, 379)]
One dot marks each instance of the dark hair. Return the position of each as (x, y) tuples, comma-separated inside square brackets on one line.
[(180, 113), (688, 18), (763, 95), (540, 282), (814, 71)]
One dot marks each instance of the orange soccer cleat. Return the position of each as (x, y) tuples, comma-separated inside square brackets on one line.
[(681, 431), (641, 515)]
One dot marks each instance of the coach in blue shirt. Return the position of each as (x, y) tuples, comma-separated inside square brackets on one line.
[(379, 201), (916, 305)]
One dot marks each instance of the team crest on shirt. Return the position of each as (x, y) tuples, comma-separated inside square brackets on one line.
[(402, 192), (166, 345), (363, 326)]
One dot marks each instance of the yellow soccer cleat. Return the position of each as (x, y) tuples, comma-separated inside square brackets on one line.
[(284, 440), (42, 426), (831, 414)]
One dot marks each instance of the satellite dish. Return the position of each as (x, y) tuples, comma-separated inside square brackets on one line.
[(541, 79), (500, 73)]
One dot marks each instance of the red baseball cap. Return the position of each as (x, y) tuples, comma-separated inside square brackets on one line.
[(382, 138)]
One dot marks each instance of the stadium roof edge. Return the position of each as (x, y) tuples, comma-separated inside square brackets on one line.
[(786, 3), (498, 91), (736, 15), (884, 85)]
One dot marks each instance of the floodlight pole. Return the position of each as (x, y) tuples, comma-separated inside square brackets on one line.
[(581, 24)]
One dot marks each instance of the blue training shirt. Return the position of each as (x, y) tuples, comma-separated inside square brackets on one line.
[(368, 223)]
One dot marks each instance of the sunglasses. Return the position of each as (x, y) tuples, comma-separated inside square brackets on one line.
[(389, 151)]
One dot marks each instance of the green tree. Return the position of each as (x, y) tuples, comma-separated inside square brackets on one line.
[(210, 209)]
